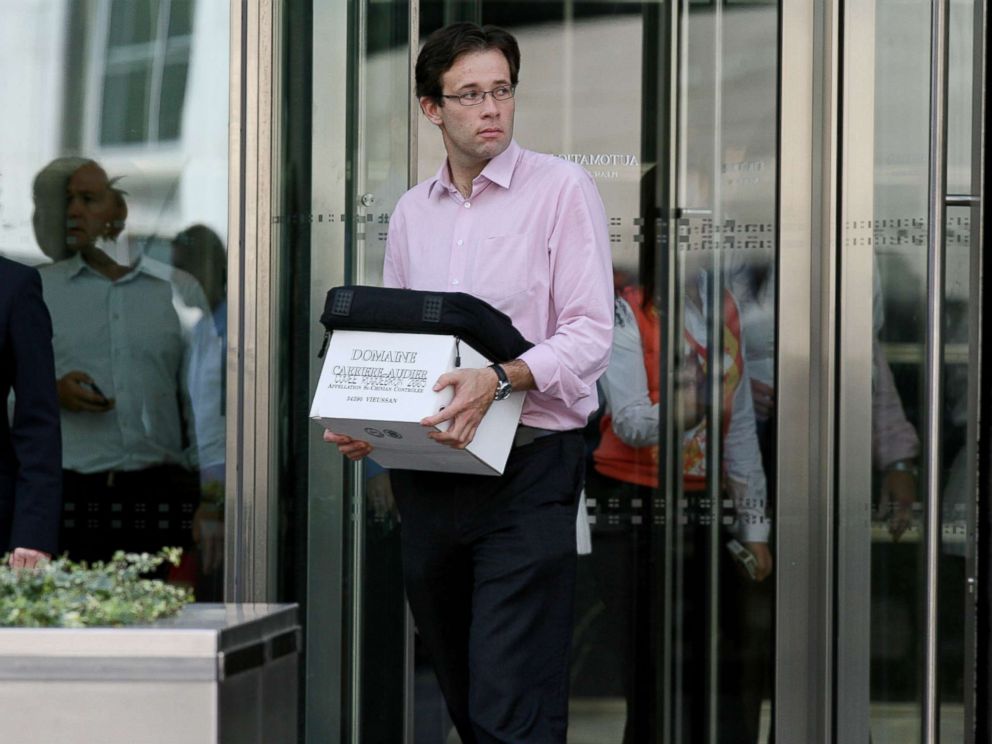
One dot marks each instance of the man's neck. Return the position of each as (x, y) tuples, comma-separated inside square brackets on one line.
[(463, 175), (104, 264)]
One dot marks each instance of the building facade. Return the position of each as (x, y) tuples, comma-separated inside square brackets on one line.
[(812, 168)]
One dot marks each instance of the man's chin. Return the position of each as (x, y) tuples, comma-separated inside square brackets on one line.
[(492, 148)]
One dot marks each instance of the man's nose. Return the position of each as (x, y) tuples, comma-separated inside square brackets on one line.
[(490, 105)]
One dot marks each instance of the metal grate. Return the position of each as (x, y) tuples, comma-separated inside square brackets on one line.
[(342, 302)]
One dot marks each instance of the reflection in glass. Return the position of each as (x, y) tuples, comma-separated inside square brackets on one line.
[(133, 22), (902, 63), (140, 342), (382, 176), (900, 376), (125, 104), (726, 278), (144, 79)]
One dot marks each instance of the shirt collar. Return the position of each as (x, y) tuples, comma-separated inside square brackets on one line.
[(75, 265), (499, 170)]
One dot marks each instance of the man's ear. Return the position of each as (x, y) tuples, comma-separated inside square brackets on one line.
[(431, 109), (120, 215)]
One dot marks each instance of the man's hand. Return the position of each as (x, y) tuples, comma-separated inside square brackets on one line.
[(763, 555), (898, 496), (76, 394), (379, 494), (353, 449), (690, 382), (28, 558), (763, 397), (474, 390)]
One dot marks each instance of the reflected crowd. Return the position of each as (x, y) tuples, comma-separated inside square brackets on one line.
[(139, 343)]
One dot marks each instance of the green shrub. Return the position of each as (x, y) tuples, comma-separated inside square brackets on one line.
[(63, 594)]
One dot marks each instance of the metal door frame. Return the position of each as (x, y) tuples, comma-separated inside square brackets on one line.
[(806, 378)]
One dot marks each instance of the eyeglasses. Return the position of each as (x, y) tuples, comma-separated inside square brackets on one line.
[(475, 97)]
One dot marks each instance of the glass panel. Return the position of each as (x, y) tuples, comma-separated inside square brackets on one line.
[(902, 126), (133, 21), (957, 458), (381, 113), (133, 265), (180, 17), (957, 563), (145, 78), (726, 369), (310, 241), (173, 92), (124, 117)]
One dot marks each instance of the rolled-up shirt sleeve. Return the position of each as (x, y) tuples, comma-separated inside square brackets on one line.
[(567, 364), (742, 456), (893, 438), (625, 383)]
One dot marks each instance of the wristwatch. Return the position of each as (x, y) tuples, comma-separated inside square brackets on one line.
[(905, 466), (503, 387)]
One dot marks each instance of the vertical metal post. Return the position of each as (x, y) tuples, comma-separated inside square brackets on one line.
[(675, 529), (715, 414), (250, 535), (934, 350), (821, 517), (669, 100), (802, 608), (854, 259), (327, 507), (975, 336), (413, 140), (235, 300), (356, 512), (413, 134)]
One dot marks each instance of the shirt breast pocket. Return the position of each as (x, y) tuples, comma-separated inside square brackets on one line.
[(506, 266)]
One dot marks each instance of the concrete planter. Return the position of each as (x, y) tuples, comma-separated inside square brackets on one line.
[(214, 673)]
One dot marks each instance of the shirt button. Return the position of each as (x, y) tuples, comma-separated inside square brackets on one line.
[(454, 281), (460, 242), (468, 204)]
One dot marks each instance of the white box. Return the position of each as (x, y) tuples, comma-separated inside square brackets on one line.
[(378, 386)]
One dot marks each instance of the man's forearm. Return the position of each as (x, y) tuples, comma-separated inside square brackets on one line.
[(519, 375)]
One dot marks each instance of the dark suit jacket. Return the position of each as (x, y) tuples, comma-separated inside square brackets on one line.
[(30, 444)]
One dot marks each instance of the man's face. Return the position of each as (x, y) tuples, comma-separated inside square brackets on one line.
[(474, 134), (91, 207)]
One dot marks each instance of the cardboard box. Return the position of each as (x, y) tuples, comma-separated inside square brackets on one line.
[(378, 386)]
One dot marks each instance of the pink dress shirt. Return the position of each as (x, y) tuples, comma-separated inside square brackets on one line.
[(532, 241)]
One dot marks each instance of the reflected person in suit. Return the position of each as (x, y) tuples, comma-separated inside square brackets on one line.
[(30, 443)]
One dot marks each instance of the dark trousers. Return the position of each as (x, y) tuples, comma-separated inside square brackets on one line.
[(489, 567), (137, 511)]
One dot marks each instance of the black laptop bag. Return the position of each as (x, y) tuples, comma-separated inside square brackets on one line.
[(479, 324)]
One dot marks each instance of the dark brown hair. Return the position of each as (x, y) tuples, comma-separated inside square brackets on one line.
[(447, 44)]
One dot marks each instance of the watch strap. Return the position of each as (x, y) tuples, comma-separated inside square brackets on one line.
[(503, 387)]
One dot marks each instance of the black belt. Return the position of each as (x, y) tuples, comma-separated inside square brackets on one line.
[(529, 434)]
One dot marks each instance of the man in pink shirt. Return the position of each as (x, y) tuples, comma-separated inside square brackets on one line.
[(489, 562)]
